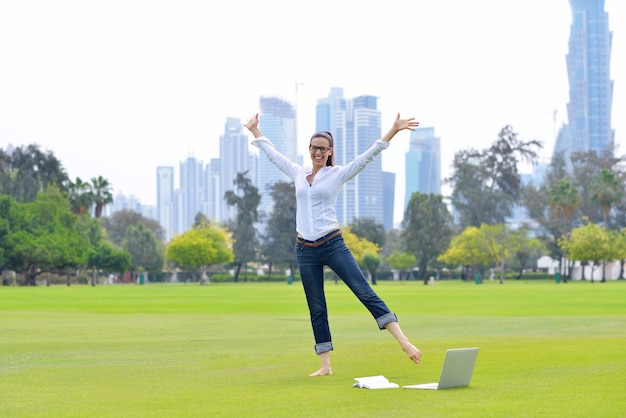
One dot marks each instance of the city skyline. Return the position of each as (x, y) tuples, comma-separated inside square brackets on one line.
[(158, 88), (356, 124)]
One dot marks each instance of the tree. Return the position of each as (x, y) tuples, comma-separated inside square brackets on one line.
[(145, 249), (607, 190), (369, 229), (103, 255), (280, 235), (28, 170), (496, 239), (10, 219), (504, 156), (244, 234), (564, 200), (108, 259), (586, 168), (542, 207), (588, 243), (201, 247), (200, 219), (427, 229), (119, 222), (402, 262), (619, 246), (101, 194), (371, 263), (362, 249), (358, 246), (474, 202), (616, 250), (81, 196), (486, 184), (468, 249), (392, 242), (523, 247), (45, 237)]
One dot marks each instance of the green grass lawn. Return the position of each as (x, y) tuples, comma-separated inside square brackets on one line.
[(245, 350)]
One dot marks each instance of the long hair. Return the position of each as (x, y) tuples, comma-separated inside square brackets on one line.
[(326, 135)]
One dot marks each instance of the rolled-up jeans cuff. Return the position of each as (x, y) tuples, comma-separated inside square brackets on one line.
[(385, 319), (323, 347)]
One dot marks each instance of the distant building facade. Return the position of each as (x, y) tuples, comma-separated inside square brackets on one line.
[(234, 159), (389, 198), (422, 164), (212, 195), (278, 121), (165, 200), (190, 192), (590, 85), (355, 125)]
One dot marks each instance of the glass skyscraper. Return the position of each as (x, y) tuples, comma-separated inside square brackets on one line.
[(355, 125), (233, 160), (190, 198), (389, 196), (165, 200), (212, 191), (277, 120), (422, 164), (590, 85)]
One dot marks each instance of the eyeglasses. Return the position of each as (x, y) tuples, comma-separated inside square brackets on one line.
[(315, 148)]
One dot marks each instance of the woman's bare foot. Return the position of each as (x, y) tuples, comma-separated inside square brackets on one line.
[(412, 352), (322, 372), (325, 370)]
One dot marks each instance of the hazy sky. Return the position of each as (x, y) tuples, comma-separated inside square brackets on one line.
[(117, 88)]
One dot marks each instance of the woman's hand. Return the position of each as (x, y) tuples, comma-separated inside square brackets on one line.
[(401, 124), (253, 125), (253, 122)]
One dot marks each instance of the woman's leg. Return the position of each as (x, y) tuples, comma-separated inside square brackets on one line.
[(411, 351), (312, 276), (340, 259)]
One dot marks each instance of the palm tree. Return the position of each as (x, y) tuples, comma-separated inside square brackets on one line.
[(81, 196), (607, 190), (564, 200), (101, 190)]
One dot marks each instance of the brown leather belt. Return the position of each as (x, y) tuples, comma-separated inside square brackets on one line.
[(321, 241)]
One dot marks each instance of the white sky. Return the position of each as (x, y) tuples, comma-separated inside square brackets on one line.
[(119, 87)]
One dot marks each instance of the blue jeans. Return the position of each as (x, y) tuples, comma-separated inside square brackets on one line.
[(337, 256)]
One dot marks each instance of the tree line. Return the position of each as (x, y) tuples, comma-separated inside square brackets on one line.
[(52, 224), (580, 192), (576, 212)]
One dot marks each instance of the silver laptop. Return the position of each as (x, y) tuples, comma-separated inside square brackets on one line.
[(457, 370)]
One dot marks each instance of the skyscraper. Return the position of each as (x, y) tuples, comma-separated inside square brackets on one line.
[(590, 86), (233, 160), (212, 195), (278, 121), (326, 109), (355, 125), (165, 200), (389, 196), (191, 180), (422, 164)]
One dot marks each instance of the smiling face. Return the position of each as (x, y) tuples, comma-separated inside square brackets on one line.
[(321, 150)]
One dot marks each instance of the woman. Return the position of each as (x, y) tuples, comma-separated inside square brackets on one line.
[(319, 241)]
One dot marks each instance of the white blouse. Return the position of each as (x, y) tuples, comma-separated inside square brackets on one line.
[(315, 204)]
